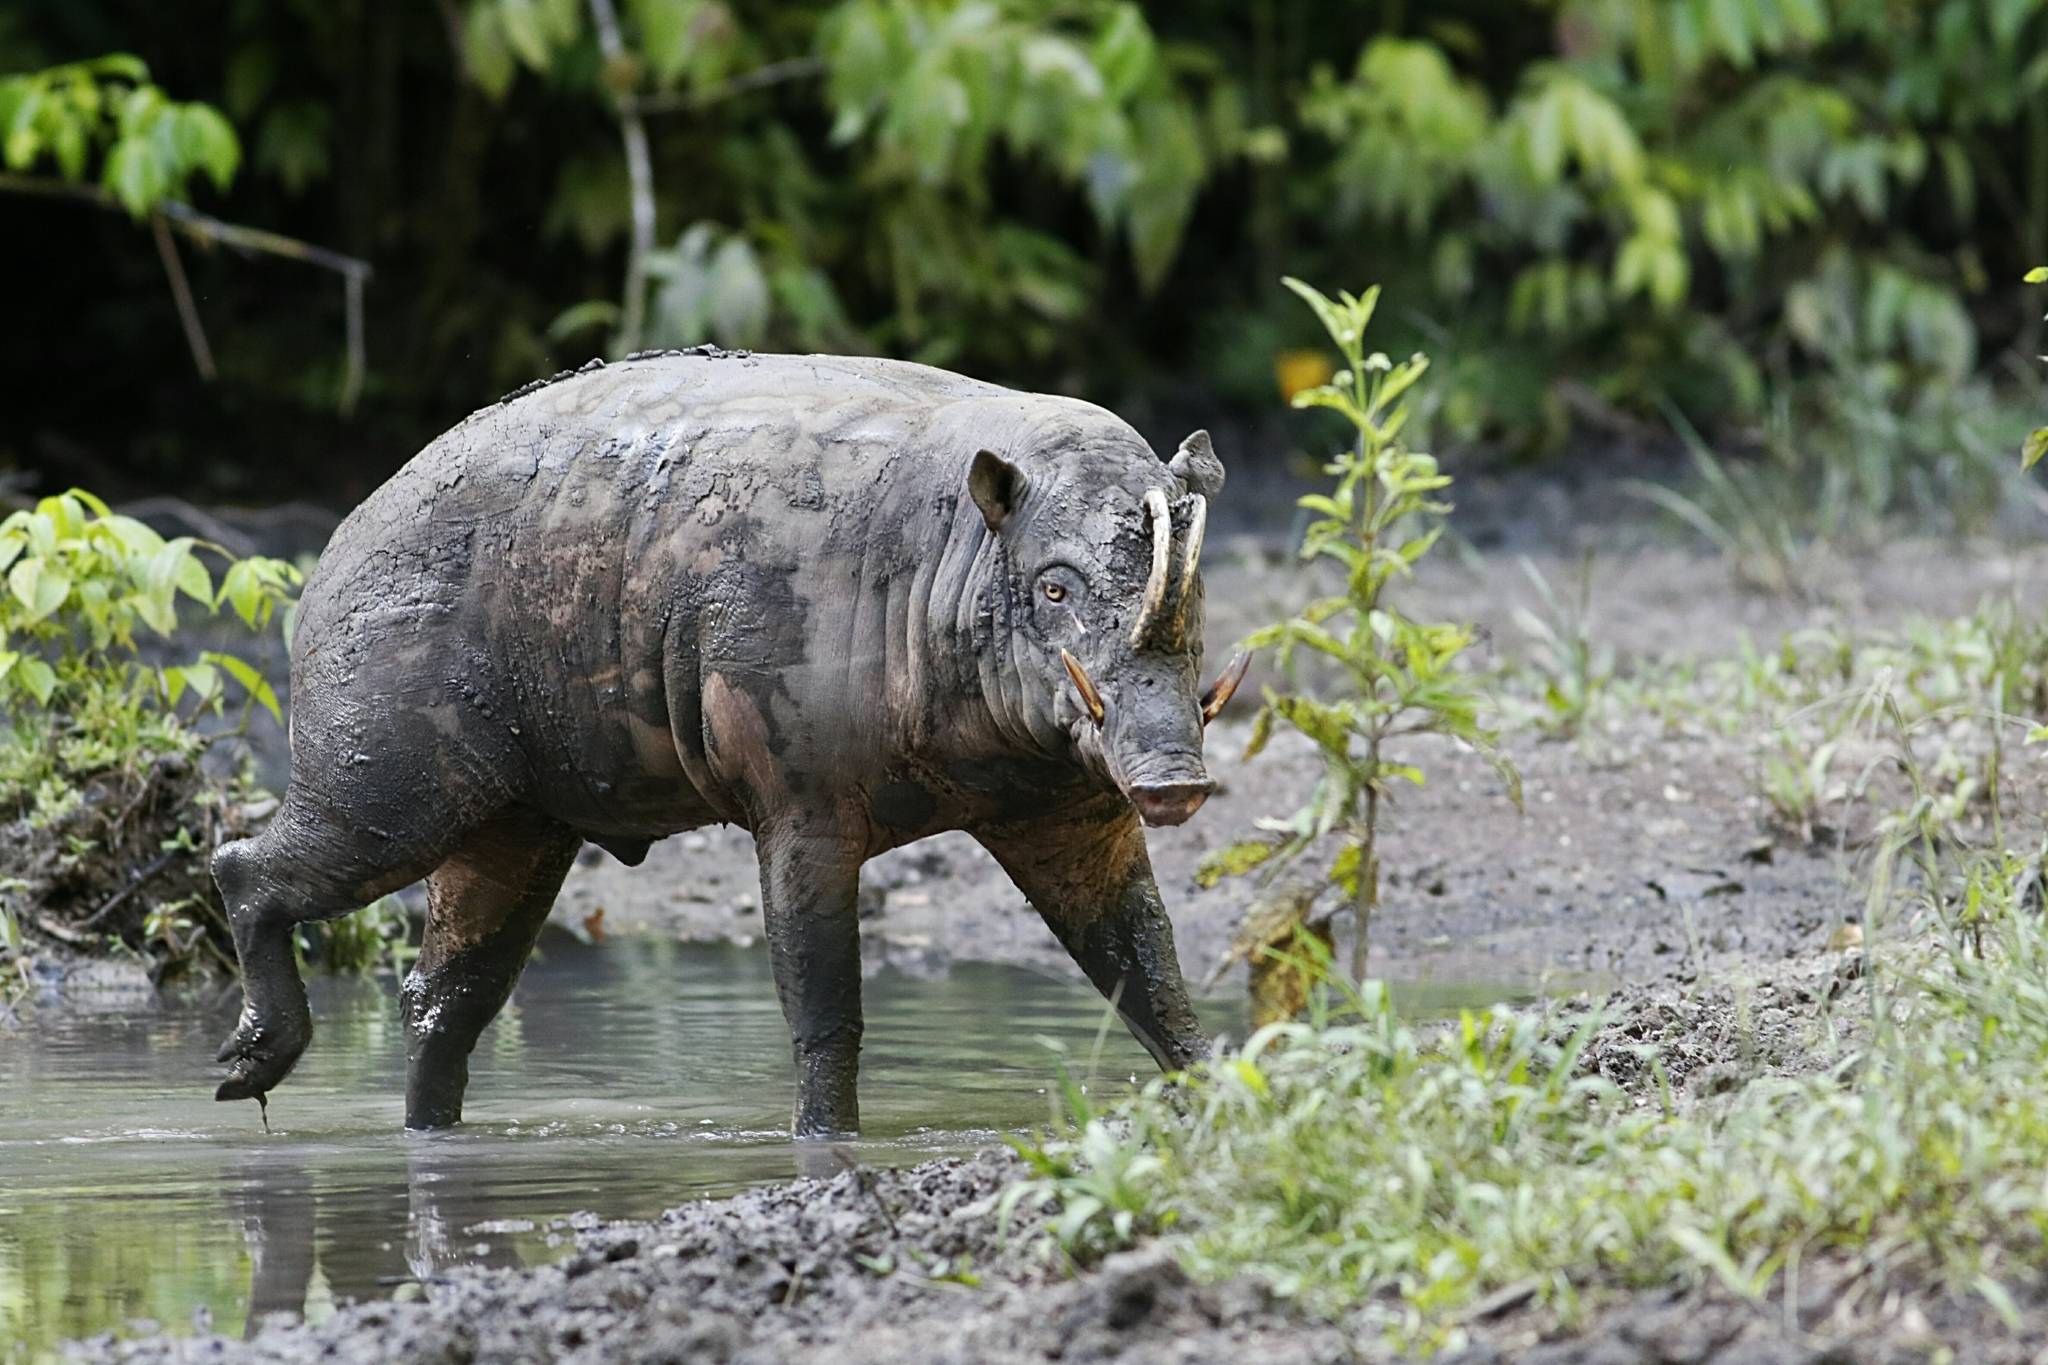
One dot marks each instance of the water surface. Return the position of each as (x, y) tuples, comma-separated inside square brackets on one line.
[(623, 1079)]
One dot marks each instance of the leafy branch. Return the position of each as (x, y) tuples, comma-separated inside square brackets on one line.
[(149, 150), (1395, 677), (79, 580)]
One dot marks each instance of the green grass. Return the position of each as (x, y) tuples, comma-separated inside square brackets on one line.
[(1356, 1163)]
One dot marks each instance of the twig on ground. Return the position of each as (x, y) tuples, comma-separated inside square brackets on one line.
[(114, 902)]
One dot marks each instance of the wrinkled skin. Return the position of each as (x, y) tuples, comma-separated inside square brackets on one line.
[(822, 598)]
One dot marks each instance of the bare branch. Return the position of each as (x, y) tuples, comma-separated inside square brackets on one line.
[(181, 294), (200, 227), (352, 377), (209, 231), (639, 176), (760, 78)]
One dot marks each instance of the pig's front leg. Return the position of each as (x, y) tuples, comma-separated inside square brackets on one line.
[(1088, 876), (810, 879)]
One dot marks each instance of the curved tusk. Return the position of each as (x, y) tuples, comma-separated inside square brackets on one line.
[(1161, 518), (1198, 522), (1219, 693), (1085, 686)]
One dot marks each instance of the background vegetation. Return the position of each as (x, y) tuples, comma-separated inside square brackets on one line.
[(1766, 215)]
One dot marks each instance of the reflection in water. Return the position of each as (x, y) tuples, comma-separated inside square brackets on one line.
[(272, 1196), (622, 1080), (446, 1210)]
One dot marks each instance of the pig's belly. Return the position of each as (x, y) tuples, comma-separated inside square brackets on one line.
[(617, 775)]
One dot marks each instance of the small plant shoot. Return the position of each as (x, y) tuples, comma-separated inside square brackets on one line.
[(2037, 443), (1392, 677)]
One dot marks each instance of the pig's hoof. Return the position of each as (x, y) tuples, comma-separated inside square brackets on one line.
[(260, 1055)]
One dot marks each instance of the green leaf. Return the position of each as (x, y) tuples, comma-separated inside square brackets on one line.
[(137, 539), (193, 580), (1262, 731), (134, 176), (2038, 275), (39, 586), (1234, 860), (240, 588), (2035, 448), (1344, 869), (526, 32), (92, 502), (487, 56), (252, 680), (124, 65), (37, 678), (1325, 310), (156, 610), (204, 680), (208, 141), (22, 141)]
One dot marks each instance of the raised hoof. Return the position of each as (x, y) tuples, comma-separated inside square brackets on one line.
[(240, 1087), (259, 1057)]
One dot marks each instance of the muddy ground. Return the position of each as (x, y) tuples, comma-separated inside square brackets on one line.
[(1643, 860), (874, 1267)]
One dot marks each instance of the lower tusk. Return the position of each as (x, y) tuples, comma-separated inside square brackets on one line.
[(1198, 522), (1086, 687), (1219, 693)]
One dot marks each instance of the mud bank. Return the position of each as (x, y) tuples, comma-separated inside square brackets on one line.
[(880, 1267), (861, 1266)]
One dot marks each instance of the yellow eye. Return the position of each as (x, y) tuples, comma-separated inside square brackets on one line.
[(1055, 593)]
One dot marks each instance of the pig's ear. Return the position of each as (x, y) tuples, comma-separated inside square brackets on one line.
[(996, 486), (1196, 466)]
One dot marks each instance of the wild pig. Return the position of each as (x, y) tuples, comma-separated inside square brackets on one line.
[(845, 603)]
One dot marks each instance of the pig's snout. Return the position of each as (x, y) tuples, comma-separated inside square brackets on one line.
[(1170, 803)]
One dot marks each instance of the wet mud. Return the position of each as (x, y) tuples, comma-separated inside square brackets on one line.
[(877, 1267)]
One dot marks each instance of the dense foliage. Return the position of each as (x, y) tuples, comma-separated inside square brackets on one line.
[(1599, 207), (102, 785)]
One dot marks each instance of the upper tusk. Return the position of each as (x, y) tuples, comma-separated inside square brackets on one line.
[(1219, 693), (1155, 585), (1198, 521), (1084, 685)]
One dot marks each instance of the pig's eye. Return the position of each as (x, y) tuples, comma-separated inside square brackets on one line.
[(1060, 597)]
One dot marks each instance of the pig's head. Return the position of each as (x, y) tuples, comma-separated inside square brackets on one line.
[(1098, 566)]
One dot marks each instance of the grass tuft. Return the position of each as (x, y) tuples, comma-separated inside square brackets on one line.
[(1358, 1165)]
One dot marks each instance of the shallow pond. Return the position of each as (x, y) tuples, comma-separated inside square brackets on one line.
[(624, 1078)]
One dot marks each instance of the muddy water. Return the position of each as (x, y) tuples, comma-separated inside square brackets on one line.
[(623, 1079)]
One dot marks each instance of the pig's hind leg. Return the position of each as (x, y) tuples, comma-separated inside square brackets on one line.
[(485, 907), (308, 864)]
